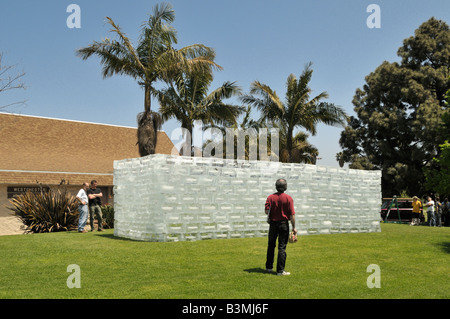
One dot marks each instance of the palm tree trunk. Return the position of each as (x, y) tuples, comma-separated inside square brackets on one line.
[(289, 144), (146, 134), (187, 147), (148, 125), (147, 99)]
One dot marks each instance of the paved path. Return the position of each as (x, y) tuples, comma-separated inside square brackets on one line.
[(10, 225)]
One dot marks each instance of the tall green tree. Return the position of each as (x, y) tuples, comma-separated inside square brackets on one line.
[(445, 130), (153, 59), (299, 110), (187, 99), (399, 111), (437, 174)]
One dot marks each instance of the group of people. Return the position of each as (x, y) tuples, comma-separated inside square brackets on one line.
[(90, 202), (438, 213)]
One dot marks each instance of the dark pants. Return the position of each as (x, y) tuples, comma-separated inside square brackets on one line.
[(95, 210), (280, 230)]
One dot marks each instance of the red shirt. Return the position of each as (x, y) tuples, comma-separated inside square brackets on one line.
[(281, 206)]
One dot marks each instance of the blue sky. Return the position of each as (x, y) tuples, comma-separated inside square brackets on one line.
[(254, 40)]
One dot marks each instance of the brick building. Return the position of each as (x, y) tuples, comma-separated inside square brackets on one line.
[(37, 151)]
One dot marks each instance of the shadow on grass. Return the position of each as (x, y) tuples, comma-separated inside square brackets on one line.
[(445, 246), (260, 270), (111, 236)]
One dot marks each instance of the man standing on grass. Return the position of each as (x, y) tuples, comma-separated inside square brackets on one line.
[(95, 202), (280, 209), (430, 212), (83, 207)]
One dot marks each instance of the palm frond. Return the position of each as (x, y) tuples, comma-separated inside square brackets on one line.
[(269, 104), (171, 105), (225, 91), (162, 12), (156, 35), (330, 114), (126, 42), (194, 60)]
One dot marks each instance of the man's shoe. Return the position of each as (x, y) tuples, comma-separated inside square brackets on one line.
[(284, 273), (269, 270)]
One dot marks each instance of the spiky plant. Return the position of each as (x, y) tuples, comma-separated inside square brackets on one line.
[(46, 211), (108, 216)]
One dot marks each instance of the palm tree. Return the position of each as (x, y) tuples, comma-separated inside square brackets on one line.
[(298, 110), (247, 126), (187, 100), (152, 60), (340, 159), (302, 150)]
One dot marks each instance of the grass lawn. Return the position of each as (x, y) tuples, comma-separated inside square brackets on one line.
[(414, 263)]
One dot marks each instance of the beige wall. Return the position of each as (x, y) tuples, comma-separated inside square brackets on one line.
[(4, 202)]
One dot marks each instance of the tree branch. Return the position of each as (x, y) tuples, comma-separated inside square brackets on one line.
[(10, 82)]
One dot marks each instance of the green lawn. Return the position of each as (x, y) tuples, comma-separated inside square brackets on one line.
[(414, 263)]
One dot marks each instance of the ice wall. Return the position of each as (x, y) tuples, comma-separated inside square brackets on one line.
[(174, 198)]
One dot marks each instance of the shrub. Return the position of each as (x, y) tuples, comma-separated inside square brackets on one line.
[(108, 216), (46, 211)]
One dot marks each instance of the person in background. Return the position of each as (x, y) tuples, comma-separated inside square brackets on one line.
[(445, 212), (416, 207), (438, 212), (430, 212), (95, 202), (280, 210), (82, 207)]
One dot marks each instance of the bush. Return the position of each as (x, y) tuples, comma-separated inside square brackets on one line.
[(46, 212), (108, 216)]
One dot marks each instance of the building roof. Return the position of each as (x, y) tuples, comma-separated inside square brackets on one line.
[(32, 145)]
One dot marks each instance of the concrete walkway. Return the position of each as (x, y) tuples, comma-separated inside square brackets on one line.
[(11, 225)]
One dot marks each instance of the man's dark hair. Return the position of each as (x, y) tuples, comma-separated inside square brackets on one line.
[(281, 185), (93, 181)]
